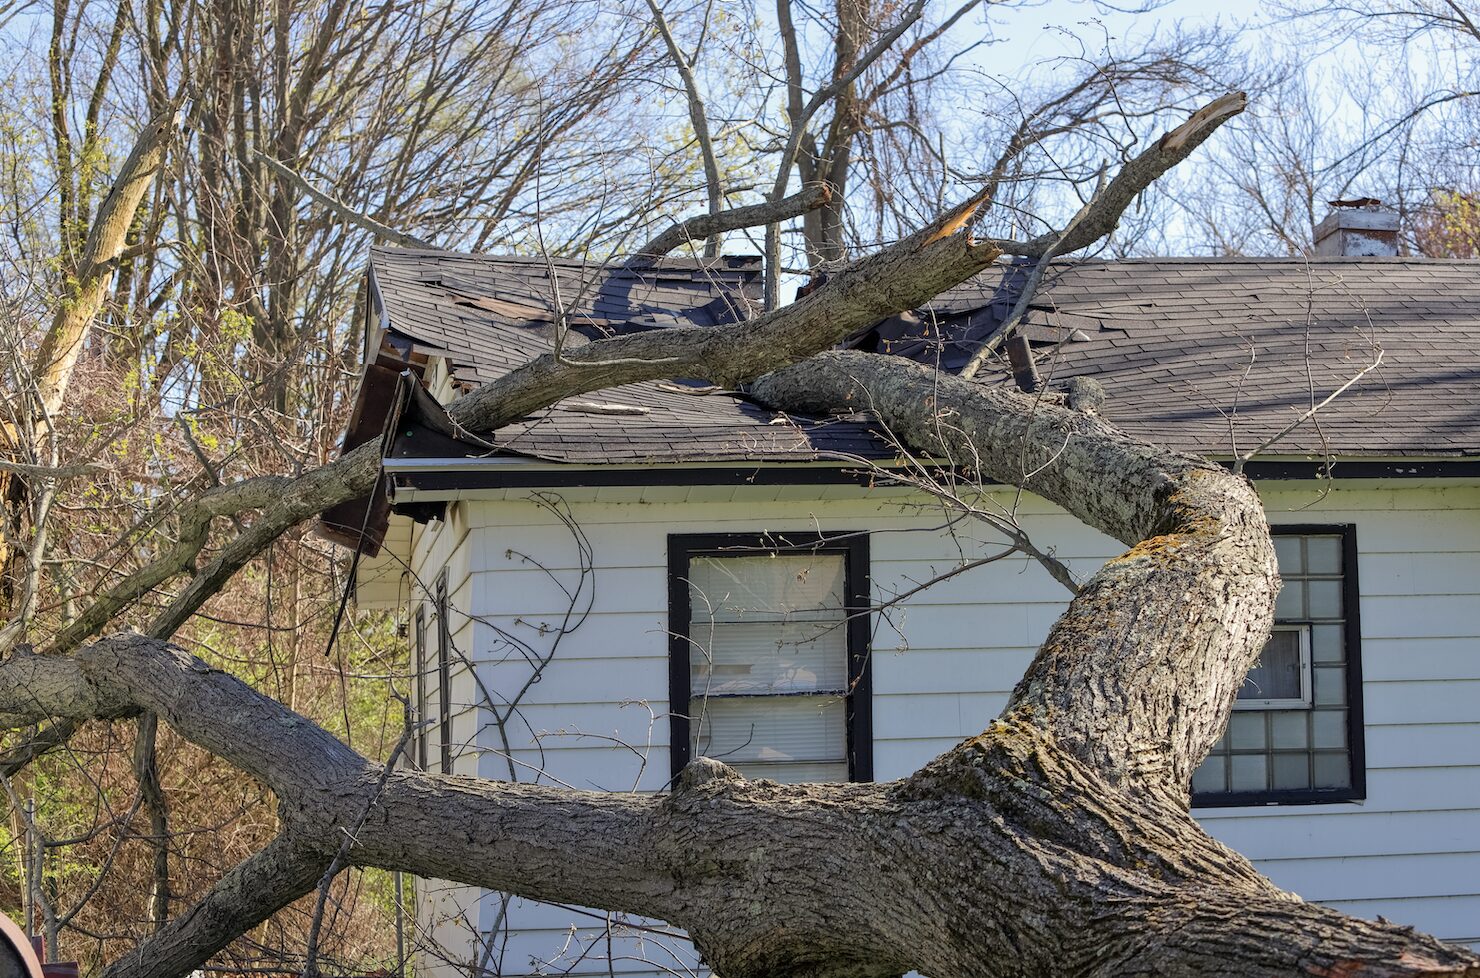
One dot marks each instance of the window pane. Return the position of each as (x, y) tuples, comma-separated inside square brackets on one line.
[(1287, 555), (1327, 643), (770, 728), (1328, 728), (1325, 599), (1287, 730), (1277, 674), (1291, 772), (1249, 773), (768, 657), (1333, 770), (764, 588), (1323, 555), (1330, 686), (1246, 731), (1211, 775), (1291, 602)]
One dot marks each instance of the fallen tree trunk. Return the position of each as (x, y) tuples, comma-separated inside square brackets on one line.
[(1058, 842)]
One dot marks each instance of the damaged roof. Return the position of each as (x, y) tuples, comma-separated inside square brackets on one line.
[(1206, 355)]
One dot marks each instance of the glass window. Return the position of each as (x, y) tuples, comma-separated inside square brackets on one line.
[(1281, 677), (1294, 735), (770, 644)]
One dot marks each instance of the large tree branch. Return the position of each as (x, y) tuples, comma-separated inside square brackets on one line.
[(1133, 178), (1139, 675), (703, 226), (902, 276), (1006, 855), (193, 520), (281, 872)]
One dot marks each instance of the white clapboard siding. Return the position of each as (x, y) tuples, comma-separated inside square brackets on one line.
[(1457, 915), (1291, 834), (944, 663)]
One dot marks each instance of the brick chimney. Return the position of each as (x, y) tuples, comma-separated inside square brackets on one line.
[(1361, 228)]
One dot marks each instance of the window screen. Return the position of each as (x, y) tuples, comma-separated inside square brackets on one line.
[(769, 644), (1295, 731)]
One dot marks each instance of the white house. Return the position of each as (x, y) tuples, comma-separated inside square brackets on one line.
[(636, 575)]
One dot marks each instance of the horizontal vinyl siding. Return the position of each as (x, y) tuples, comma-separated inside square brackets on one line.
[(1411, 851), (946, 659)]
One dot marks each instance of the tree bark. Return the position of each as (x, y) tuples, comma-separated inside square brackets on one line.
[(1058, 842), (94, 274)]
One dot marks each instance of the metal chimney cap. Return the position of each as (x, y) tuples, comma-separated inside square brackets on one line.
[(1358, 228)]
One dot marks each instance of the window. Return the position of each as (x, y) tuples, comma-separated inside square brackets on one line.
[(768, 655), (1295, 735), (419, 665), (444, 676)]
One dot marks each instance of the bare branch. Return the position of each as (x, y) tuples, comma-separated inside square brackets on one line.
[(707, 225), (1133, 178), (340, 209), (1311, 412), (698, 118)]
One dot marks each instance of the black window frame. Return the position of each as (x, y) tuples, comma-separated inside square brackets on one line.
[(419, 665), (444, 676), (1355, 722), (858, 703)]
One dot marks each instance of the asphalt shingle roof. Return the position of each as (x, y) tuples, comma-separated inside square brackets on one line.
[(1201, 354)]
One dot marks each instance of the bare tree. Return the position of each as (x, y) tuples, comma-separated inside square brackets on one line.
[(1057, 842)]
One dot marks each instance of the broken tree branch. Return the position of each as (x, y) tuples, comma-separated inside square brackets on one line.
[(902, 276), (1133, 178), (106, 239), (1030, 288)]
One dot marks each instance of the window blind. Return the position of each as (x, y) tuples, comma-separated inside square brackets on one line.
[(768, 664)]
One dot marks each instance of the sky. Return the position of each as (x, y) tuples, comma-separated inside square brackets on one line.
[(1042, 31)]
